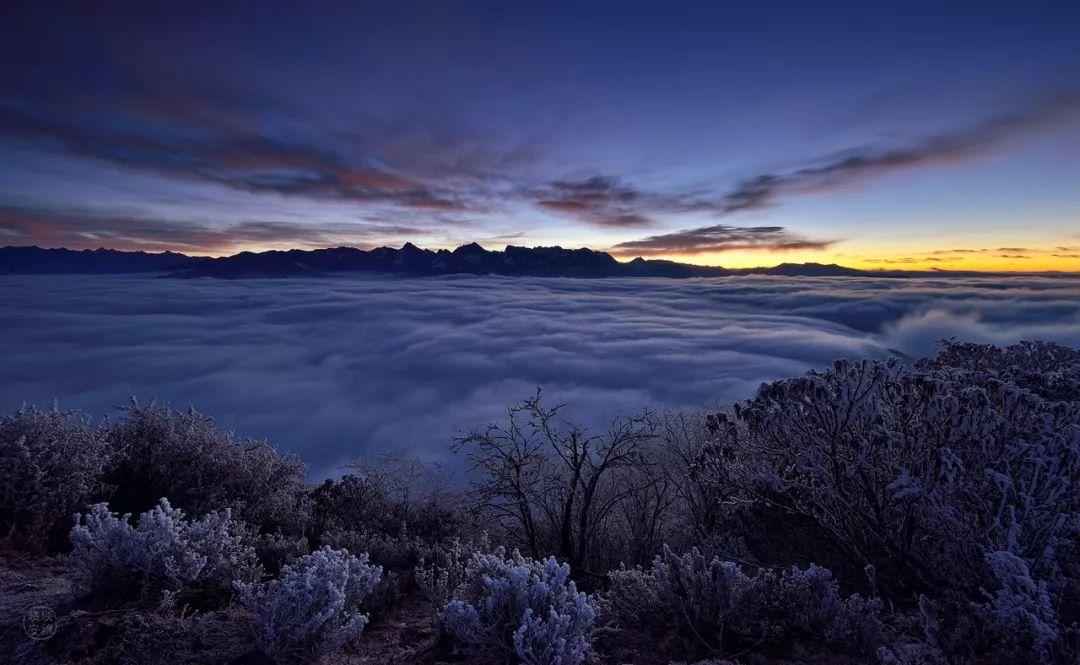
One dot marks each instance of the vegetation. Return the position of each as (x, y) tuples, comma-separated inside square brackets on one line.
[(313, 607), (885, 512)]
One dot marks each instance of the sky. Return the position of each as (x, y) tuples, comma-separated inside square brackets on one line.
[(924, 135)]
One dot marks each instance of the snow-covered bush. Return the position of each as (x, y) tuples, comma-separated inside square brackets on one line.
[(398, 552), (718, 606), (517, 610), (1016, 619), (161, 552), (313, 607), (1051, 371), (276, 550), (440, 575), (201, 468), (52, 463), (393, 495), (957, 479)]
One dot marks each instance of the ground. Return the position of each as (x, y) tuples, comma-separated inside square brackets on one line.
[(70, 631)]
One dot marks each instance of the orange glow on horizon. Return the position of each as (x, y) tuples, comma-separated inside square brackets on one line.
[(1043, 259), (1055, 258)]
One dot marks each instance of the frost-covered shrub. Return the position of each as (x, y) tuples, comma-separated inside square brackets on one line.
[(921, 472), (276, 550), (1016, 619), (957, 479), (201, 468), (517, 610), (161, 552), (393, 495), (52, 464), (1051, 371), (401, 552), (445, 571), (718, 606), (313, 607)]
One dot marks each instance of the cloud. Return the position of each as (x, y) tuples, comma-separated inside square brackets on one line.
[(341, 368), (605, 201), (208, 148), (764, 190), (89, 229), (910, 259), (598, 200), (720, 238), (149, 114)]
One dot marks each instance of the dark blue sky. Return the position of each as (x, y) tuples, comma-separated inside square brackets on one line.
[(750, 133)]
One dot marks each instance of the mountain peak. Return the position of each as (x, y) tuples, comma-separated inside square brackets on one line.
[(471, 248)]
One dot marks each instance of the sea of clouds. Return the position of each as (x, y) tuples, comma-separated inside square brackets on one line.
[(340, 369)]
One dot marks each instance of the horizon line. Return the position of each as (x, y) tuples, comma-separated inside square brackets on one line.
[(881, 270)]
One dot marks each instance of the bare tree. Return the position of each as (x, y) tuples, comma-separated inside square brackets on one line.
[(558, 485)]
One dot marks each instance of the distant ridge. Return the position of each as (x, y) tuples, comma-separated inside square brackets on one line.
[(409, 259), (38, 261)]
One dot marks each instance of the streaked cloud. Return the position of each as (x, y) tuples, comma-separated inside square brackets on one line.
[(90, 229), (598, 200), (720, 238), (857, 165)]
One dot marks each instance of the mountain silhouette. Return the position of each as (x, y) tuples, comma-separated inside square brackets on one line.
[(409, 260)]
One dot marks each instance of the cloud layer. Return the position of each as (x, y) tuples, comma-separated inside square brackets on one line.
[(343, 368)]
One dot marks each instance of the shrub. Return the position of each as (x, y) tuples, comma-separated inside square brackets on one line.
[(1016, 619), (519, 610), (162, 639), (956, 479), (919, 472), (720, 607), (1051, 371), (201, 468), (441, 574), (393, 495), (276, 550), (313, 607), (52, 463), (162, 552)]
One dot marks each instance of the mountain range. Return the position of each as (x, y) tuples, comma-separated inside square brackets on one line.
[(409, 259)]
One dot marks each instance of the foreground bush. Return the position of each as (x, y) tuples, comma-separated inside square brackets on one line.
[(722, 609), (161, 552), (958, 485), (52, 463), (519, 610), (182, 455), (313, 607)]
